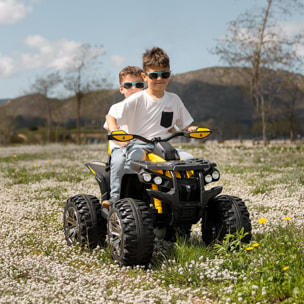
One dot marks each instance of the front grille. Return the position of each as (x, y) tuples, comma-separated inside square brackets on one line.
[(188, 190)]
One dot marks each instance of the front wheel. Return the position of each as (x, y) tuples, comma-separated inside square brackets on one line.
[(225, 214), (83, 222), (130, 232)]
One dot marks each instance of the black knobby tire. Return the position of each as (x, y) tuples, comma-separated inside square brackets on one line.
[(130, 232), (225, 214), (82, 221)]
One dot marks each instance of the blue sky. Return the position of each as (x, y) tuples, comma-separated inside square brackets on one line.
[(38, 35)]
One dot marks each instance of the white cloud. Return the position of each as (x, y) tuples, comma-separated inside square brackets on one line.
[(118, 60), (292, 28), (299, 49), (272, 36), (6, 66), (11, 11), (44, 54), (49, 54)]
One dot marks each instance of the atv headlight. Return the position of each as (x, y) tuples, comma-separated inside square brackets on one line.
[(215, 175), (208, 178), (158, 180), (147, 177)]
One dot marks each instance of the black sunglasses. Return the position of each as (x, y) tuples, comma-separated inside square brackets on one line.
[(155, 75), (129, 85)]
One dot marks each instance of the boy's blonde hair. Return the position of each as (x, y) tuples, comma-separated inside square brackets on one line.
[(130, 70), (156, 57)]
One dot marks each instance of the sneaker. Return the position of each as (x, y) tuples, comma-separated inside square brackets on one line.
[(107, 203)]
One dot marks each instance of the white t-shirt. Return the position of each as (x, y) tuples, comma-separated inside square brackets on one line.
[(149, 117), (114, 108)]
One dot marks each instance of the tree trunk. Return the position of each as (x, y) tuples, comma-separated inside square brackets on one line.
[(79, 96), (49, 121), (78, 121), (292, 127), (264, 121)]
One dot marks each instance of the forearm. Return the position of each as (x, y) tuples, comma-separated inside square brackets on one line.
[(112, 126), (111, 123)]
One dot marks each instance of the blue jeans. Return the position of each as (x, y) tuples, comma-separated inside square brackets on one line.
[(122, 157), (137, 150), (117, 165), (184, 155)]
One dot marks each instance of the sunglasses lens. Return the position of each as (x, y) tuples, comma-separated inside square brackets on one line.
[(166, 75), (139, 85), (153, 75), (127, 85)]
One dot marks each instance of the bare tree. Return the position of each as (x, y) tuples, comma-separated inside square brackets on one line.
[(44, 85), (256, 42), (79, 79)]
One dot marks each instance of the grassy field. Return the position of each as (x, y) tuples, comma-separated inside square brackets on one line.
[(36, 265)]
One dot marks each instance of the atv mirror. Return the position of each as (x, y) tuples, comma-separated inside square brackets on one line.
[(120, 136), (200, 133)]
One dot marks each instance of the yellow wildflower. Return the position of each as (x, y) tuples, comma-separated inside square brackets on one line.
[(262, 220), (287, 218), (255, 245), (285, 268), (15, 155), (249, 248)]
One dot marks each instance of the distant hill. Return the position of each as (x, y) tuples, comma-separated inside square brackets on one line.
[(2, 101), (216, 97)]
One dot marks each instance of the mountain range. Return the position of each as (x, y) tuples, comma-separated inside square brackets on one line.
[(216, 98)]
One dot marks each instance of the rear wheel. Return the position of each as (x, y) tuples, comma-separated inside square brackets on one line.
[(130, 232), (225, 214), (82, 221)]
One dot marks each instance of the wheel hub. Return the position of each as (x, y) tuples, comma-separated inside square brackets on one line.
[(115, 234), (71, 226)]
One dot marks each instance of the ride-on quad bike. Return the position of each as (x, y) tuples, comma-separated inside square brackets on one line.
[(163, 196)]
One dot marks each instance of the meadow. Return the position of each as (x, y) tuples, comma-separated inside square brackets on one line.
[(36, 265)]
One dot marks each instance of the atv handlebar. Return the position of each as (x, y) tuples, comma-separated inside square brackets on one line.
[(121, 135)]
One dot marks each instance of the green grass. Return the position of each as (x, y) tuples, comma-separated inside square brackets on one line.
[(270, 269), (257, 272)]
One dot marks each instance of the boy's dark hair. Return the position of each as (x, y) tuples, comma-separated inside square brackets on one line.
[(130, 70), (156, 57)]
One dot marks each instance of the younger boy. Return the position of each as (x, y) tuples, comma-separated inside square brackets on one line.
[(153, 112), (131, 81)]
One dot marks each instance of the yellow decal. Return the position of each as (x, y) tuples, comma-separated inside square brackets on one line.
[(92, 170)]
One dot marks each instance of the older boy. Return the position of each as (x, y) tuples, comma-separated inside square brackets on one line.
[(131, 81), (152, 112)]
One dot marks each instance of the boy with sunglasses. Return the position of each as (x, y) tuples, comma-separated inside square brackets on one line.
[(154, 112), (131, 81)]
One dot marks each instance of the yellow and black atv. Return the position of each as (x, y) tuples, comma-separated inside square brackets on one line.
[(163, 197)]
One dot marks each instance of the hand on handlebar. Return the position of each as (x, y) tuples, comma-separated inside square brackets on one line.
[(122, 143), (191, 128)]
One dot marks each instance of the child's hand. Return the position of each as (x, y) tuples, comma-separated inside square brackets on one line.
[(192, 128), (122, 143)]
